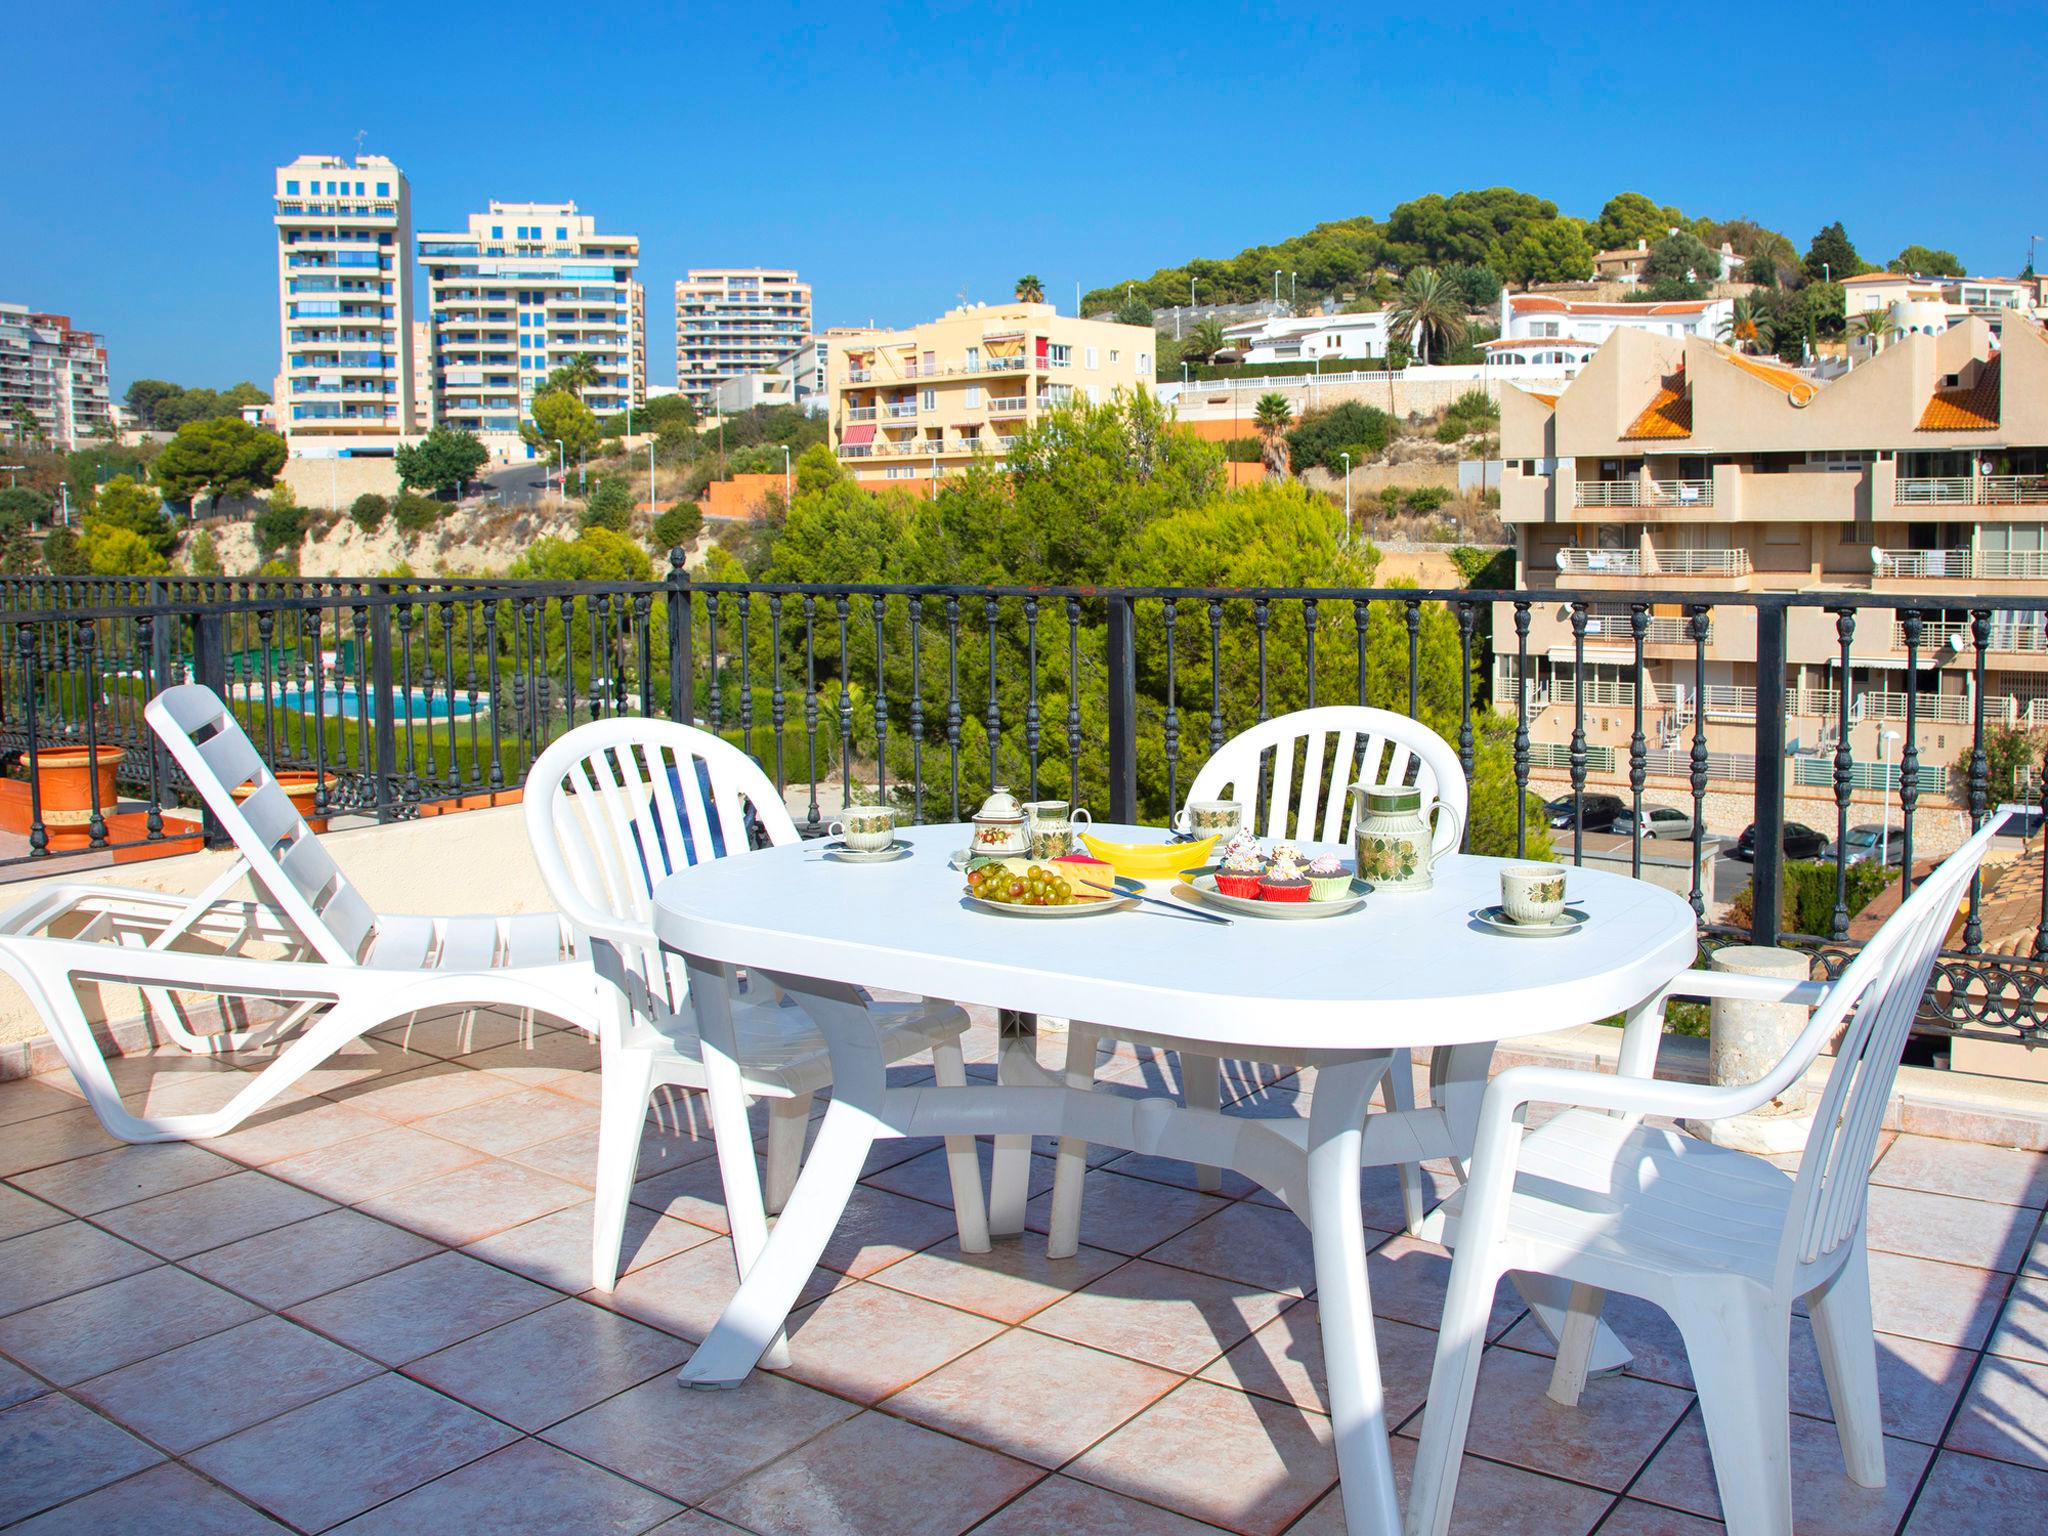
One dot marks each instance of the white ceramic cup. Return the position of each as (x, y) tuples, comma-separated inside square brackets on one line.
[(1532, 893), (866, 828), (1201, 817)]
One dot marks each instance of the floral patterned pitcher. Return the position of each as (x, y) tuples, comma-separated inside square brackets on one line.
[(1393, 839)]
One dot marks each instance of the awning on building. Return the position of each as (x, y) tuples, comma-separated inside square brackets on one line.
[(859, 432)]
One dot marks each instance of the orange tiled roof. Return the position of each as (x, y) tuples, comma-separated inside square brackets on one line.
[(1974, 409), (1798, 390), (1544, 304), (1668, 415), (1549, 400)]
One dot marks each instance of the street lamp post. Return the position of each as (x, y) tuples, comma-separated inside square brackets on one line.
[(651, 508), (1884, 855), (562, 472), (1347, 498), (786, 491), (1276, 285)]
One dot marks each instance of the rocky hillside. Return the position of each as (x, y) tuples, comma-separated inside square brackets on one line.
[(468, 542)]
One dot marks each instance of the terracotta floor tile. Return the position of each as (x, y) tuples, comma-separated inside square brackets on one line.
[(1127, 1215), (1824, 1501), (28, 1098), (1603, 1441), (684, 1294), (556, 1248), (1632, 1517), (423, 1307), (397, 1435), (1036, 1398), (55, 1261), (1965, 1168), (1917, 1382), (1407, 1277), (694, 1522), (112, 1325), (1168, 1170), (522, 1119), (1492, 1500), (1070, 1508), (2004, 1415), (1972, 1232), (541, 1368), (288, 1265), (1656, 1349), (439, 1086), (1167, 1317), (52, 1138), (474, 1202), (1246, 1463), (927, 1176), (663, 1148), (1284, 1361), (1942, 1303), (550, 1056), (1253, 1243), (865, 1342), (208, 1215), (689, 1444), (1012, 1281), (2022, 1332), (692, 1192), (55, 1449), (872, 1474), (138, 1506), (528, 1489), (124, 1175), (459, 1033), (17, 1385), (20, 1213), (363, 1167), (199, 1392), (878, 1228), (363, 1058), (288, 1129), (1969, 1496)]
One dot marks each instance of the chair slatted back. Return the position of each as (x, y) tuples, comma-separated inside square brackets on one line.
[(1333, 747), (294, 876), (616, 806), (1871, 1006)]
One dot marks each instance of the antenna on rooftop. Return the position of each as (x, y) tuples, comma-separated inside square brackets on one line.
[(361, 134)]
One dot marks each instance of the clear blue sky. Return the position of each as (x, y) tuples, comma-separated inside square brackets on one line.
[(900, 156)]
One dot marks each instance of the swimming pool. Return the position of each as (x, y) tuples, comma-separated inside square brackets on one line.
[(345, 703)]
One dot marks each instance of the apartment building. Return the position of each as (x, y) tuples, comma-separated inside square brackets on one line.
[(1671, 462), (736, 320), (55, 372), (925, 401), (344, 287), (1309, 338), (422, 377), (522, 290), (636, 296)]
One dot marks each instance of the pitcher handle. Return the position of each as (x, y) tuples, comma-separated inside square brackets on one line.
[(1438, 848)]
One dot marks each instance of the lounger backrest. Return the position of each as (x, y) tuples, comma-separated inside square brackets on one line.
[(294, 876)]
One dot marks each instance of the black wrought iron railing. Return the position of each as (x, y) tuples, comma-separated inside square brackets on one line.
[(392, 698)]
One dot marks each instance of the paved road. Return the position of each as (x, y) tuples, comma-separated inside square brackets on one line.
[(516, 485)]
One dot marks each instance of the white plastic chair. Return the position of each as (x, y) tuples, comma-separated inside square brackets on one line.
[(1333, 746), (612, 809), (1721, 1240), (332, 964)]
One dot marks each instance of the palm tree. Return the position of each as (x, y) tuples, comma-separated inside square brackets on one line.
[(1272, 415), (1748, 326), (1430, 306), (1875, 327), (1204, 341), (1030, 290)]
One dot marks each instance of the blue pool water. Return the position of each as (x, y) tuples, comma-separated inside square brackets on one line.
[(346, 704)]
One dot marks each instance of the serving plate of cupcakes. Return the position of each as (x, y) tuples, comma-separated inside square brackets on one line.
[(1275, 882)]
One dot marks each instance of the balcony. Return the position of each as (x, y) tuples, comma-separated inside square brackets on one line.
[(902, 410), (1952, 564), (1009, 405), (1972, 491), (860, 413), (1637, 492), (2020, 634), (1600, 562)]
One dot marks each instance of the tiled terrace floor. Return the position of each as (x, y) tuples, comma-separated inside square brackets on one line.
[(368, 1311)]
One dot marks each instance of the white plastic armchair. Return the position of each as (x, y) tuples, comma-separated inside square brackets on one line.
[(614, 808), (304, 942), (1723, 1241), (1293, 774)]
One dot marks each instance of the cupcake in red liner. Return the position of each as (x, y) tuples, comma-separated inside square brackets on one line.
[(1284, 888), (1241, 872)]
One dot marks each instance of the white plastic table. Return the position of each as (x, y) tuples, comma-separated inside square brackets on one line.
[(1411, 969)]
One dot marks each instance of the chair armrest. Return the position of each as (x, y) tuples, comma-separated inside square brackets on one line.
[(1643, 1031)]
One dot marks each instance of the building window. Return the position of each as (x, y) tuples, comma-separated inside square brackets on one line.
[(928, 400), (973, 395), (1112, 357), (383, 189), (1144, 362), (291, 189), (1058, 354), (1089, 354)]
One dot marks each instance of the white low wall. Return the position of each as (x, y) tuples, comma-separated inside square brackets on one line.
[(475, 861)]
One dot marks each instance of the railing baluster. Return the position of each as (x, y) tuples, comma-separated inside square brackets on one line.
[(1980, 775), (953, 695), (1167, 607), (1465, 753), (497, 779), (1261, 617), (811, 707), (1638, 744), (1578, 748), (778, 711), (1414, 610), (915, 603), (447, 606), (845, 711), (1361, 623), (994, 714), (403, 689), (1698, 628), (1308, 636), (1031, 723), (711, 606), (1521, 729), (746, 673), (1074, 700), (1845, 778), (1911, 627), (145, 639), (878, 612), (1216, 735), (88, 642)]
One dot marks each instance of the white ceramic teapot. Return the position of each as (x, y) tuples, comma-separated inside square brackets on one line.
[(999, 829)]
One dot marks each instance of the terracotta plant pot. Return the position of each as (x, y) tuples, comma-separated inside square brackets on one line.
[(181, 835), (64, 785), (299, 784), (476, 802)]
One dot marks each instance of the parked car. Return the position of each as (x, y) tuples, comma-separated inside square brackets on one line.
[(1658, 821), (1801, 842), (1868, 843), (1602, 811)]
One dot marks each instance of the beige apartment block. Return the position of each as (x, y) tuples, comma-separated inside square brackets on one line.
[(344, 286), (733, 321), (1674, 464), (54, 371), (524, 289), (925, 401), (422, 377), (636, 297)]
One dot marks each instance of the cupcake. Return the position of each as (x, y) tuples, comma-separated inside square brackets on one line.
[(1279, 887), (1242, 871), (1286, 863), (1242, 842), (1328, 879)]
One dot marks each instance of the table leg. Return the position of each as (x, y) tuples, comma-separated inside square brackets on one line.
[(1009, 1184), (1358, 1410)]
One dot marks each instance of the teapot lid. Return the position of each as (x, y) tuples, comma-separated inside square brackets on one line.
[(1000, 805), (1391, 797)]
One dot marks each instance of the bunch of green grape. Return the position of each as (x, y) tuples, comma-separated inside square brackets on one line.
[(1036, 887)]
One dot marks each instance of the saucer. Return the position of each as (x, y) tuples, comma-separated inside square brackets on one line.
[(1570, 921), (837, 851)]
